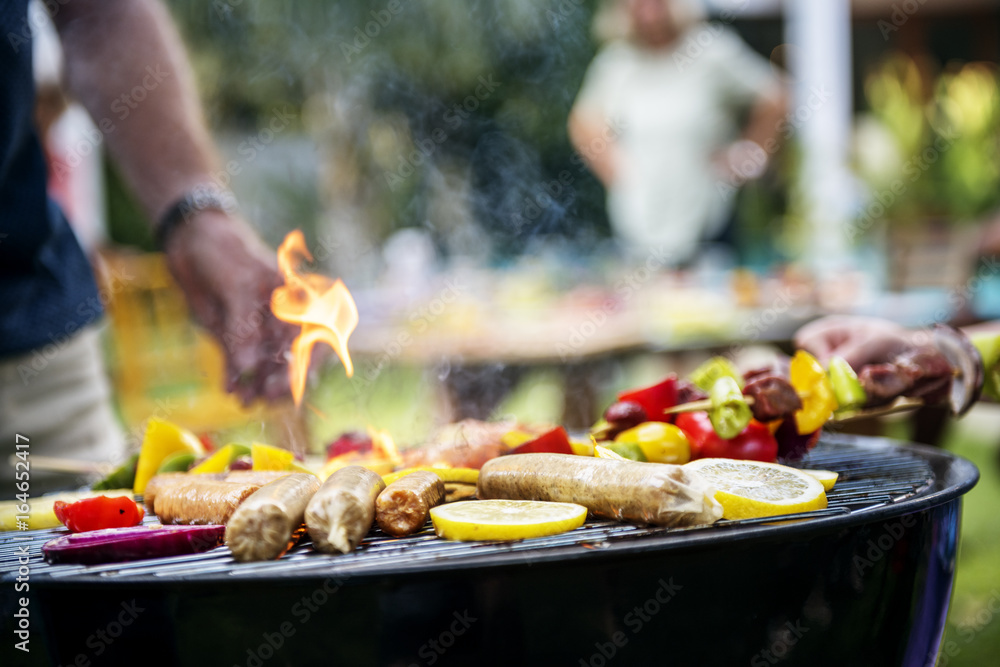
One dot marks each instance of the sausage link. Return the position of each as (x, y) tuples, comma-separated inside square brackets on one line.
[(262, 527), (200, 501), (402, 508), (647, 493), (342, 511)]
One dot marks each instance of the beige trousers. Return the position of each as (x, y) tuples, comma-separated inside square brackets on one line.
[(59, 398)]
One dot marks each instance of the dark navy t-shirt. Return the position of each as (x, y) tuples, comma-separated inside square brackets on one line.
[(47, 289)]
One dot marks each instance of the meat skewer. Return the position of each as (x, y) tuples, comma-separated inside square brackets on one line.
[(949, 371)]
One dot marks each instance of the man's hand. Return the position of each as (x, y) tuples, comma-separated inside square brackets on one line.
[(227, 275), (859, 340)]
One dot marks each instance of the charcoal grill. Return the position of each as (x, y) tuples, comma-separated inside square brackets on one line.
[(864, 582)]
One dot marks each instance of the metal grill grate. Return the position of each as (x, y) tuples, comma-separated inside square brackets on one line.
[(869, 478)]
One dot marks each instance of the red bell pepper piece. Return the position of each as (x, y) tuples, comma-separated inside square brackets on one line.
[(655, 399), (97, 513), (351, 441), (754, 443), (555, 441)]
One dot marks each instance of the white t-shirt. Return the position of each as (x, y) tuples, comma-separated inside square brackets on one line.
[(673, 110)]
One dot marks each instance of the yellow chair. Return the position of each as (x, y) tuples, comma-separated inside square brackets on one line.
[(162, 364)]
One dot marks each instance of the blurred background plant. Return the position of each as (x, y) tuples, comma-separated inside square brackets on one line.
[(942, 128)]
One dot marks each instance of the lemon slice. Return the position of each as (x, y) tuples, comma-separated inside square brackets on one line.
[(826, 477), (474, 520), (750, 489)]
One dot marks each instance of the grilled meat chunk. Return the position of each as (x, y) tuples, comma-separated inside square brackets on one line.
[(773, 397), (883, 383)]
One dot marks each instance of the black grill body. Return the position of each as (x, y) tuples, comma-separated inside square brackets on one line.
[(865, 582)]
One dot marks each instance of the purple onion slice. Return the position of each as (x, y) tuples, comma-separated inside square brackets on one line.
[(113, 545)]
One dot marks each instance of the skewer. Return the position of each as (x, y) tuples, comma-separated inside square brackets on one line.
[(697, 406), (901, 404), (59, 464)]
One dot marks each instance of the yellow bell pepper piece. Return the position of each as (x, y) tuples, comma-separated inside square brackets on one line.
[(162, 439), (812, 384)]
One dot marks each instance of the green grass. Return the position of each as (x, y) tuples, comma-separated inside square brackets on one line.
[(972, 637)]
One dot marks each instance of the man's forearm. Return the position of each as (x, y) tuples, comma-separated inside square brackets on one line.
[(590, 137), (126, 64), (765, 120)]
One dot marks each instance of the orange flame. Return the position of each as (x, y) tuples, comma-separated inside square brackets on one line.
[(383, 446), (322, 307)]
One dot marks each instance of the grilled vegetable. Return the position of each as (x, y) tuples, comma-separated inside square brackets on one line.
[(813, 386), (753, 443), (655, 399), (729, 413), (659, 442), (221, 459), (706, 375), (554, 441), (121, 544), (645, 493), (620, 416), (39, 511), (122, 477), (262, 527), (847, 388), (162, 438), (402, 508), (342, 511), (97, 513)]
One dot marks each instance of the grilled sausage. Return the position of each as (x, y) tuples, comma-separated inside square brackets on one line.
[(157, 484), (342, 511), (261, 528), (200, 501), (402, 508), (165, 479), (645, 493)]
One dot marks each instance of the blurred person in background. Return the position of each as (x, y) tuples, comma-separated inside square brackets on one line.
[(125, 63), (657, 121)]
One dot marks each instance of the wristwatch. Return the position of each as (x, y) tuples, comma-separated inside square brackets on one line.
[(205, 197)]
